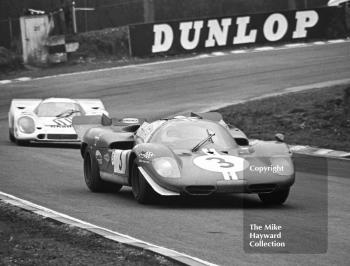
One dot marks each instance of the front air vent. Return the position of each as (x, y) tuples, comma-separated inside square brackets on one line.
[(62, 136), (200, 190), (262, 188)]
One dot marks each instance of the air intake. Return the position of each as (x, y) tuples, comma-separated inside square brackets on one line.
[(200, 190), (62, 136), (262, 188)]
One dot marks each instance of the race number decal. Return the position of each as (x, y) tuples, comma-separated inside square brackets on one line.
[(228, 165), (119, 160)]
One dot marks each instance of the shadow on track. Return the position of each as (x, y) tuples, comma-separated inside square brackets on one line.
[(61, 145), (229, 201)]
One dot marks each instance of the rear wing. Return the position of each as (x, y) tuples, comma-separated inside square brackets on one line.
[(92, 106), (82, 124)]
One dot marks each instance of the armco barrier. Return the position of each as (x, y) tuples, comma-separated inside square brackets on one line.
[(178, 37)]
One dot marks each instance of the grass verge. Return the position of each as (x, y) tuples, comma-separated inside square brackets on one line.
[(9, 61), (28, 239), (317, 117)]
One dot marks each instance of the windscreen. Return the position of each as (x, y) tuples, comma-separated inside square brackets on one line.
[(188, 134), (54, 109)]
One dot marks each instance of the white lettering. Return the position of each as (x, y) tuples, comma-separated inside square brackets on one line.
[(185, 28), (305, 19), (163, 38), (242, 35), (275, 27), (217, 34)]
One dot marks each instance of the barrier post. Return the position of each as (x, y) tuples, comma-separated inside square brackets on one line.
[(74, 18)]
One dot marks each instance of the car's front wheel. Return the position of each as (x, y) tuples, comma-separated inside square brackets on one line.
[(274, 198), (22, 142), (141, 190), (11, 136), (92, 176)]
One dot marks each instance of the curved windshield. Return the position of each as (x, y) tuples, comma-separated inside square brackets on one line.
[(58, 109), (188, 134)]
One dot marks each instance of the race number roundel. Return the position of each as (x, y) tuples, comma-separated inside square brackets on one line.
[(228, 165)]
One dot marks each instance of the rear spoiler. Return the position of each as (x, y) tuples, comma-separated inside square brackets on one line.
[(82, 124)]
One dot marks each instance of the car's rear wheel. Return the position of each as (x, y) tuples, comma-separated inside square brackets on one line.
[(141, 190), (274, 198), (93, 179)]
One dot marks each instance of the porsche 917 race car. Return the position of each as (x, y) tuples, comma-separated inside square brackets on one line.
[(195, 155), (48, 120)]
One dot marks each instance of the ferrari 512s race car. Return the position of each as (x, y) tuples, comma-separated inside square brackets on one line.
[(48, 120), (194, 155)]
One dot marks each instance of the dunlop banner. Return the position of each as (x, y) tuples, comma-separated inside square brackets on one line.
[(230, 32)]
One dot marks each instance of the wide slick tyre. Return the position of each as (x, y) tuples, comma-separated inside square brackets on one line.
[(92, 176), (274, 198), (141, 190), (21, 142), (12, 137)]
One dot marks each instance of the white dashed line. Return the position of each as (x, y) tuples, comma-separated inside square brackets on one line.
[(203, 56), (292, 45), (218, 53), (196, 57), (265, 48), (337, 41), (23, 79), (238, 51)]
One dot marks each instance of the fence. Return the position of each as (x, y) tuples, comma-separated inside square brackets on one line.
[(115, 13)]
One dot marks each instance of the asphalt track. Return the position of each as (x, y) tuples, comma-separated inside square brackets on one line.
[(211, 229)]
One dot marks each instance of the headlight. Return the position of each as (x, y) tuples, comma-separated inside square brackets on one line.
[(26, 124), (282, 165), (166, 167)]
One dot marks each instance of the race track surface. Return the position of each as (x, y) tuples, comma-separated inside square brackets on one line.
[(211, 229)]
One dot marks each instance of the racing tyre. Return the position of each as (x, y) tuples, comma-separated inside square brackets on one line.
[(274, 198), (141, 190), (21, 142), (93, 179), (12, 137)]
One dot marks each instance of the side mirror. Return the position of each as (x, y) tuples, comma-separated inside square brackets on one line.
[(279, 137)]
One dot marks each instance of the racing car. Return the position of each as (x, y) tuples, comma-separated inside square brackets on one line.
[(195, 155), (48, 120)]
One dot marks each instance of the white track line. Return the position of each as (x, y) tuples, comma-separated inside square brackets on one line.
[(196, 57), (264, 48), (218, 53), (104, 232), (337, 41), (23, 79), (239, 51), (273, 94)]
